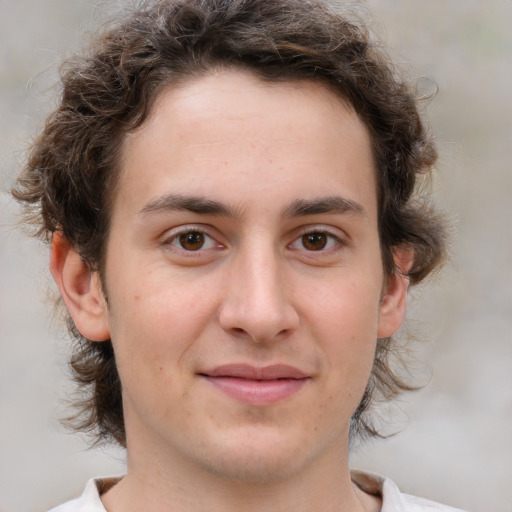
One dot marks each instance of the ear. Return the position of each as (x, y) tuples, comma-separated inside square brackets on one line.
[(394, 295), (80, 289)]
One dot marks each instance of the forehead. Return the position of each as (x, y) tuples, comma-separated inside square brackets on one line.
[(233, 129), (230, 95)]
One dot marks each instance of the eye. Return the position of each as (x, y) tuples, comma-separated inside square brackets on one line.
[(316, 241), (193, 240)]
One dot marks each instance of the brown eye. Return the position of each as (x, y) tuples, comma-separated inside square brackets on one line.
[(315, 241), (192, 240)]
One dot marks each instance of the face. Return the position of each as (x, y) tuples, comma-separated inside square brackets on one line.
[(244, 277)]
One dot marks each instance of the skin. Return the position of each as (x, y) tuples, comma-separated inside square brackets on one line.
[(241, 279)]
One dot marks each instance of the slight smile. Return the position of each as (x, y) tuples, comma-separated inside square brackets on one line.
[(257, 386)]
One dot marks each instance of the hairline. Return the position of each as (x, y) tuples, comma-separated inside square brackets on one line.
[(203, 69)]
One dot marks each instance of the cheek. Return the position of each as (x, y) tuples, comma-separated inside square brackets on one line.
[(152, 336), (153, 324), (347, 311), (345, 326)]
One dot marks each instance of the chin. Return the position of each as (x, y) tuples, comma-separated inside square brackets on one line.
[(258, 459), (255, 469)]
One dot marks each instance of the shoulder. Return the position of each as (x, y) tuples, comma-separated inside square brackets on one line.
[(392, 499), (90, 500)]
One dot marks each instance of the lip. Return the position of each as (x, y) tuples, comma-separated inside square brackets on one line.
[(256, 385)]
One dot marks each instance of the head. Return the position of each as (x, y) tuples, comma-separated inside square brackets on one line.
[(73, 175)]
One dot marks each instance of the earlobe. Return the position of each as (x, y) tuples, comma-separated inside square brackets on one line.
[(80, 289), (394, 297)]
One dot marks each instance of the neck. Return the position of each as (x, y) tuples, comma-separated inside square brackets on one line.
[(179, 486)]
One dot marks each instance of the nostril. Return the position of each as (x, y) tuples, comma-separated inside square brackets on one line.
[(259, 316)]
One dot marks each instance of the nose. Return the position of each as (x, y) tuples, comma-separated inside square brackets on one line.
[(257, 304)]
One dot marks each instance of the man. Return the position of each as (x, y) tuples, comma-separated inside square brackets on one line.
[(229, 189)]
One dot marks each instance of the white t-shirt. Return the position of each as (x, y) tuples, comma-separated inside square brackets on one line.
[(392, 499)]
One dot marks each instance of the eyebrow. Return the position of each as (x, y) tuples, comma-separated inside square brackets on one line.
[(298, 208), (330, 205), (200, 205)]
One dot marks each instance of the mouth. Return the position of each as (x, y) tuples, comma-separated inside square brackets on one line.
[(256, 386)]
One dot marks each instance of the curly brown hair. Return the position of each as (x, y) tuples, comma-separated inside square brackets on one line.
[(68, 182)]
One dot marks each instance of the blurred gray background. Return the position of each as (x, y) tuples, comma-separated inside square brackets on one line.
[(456, 443)]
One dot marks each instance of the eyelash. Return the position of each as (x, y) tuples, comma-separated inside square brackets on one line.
[(176, 240), (332, 241)]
